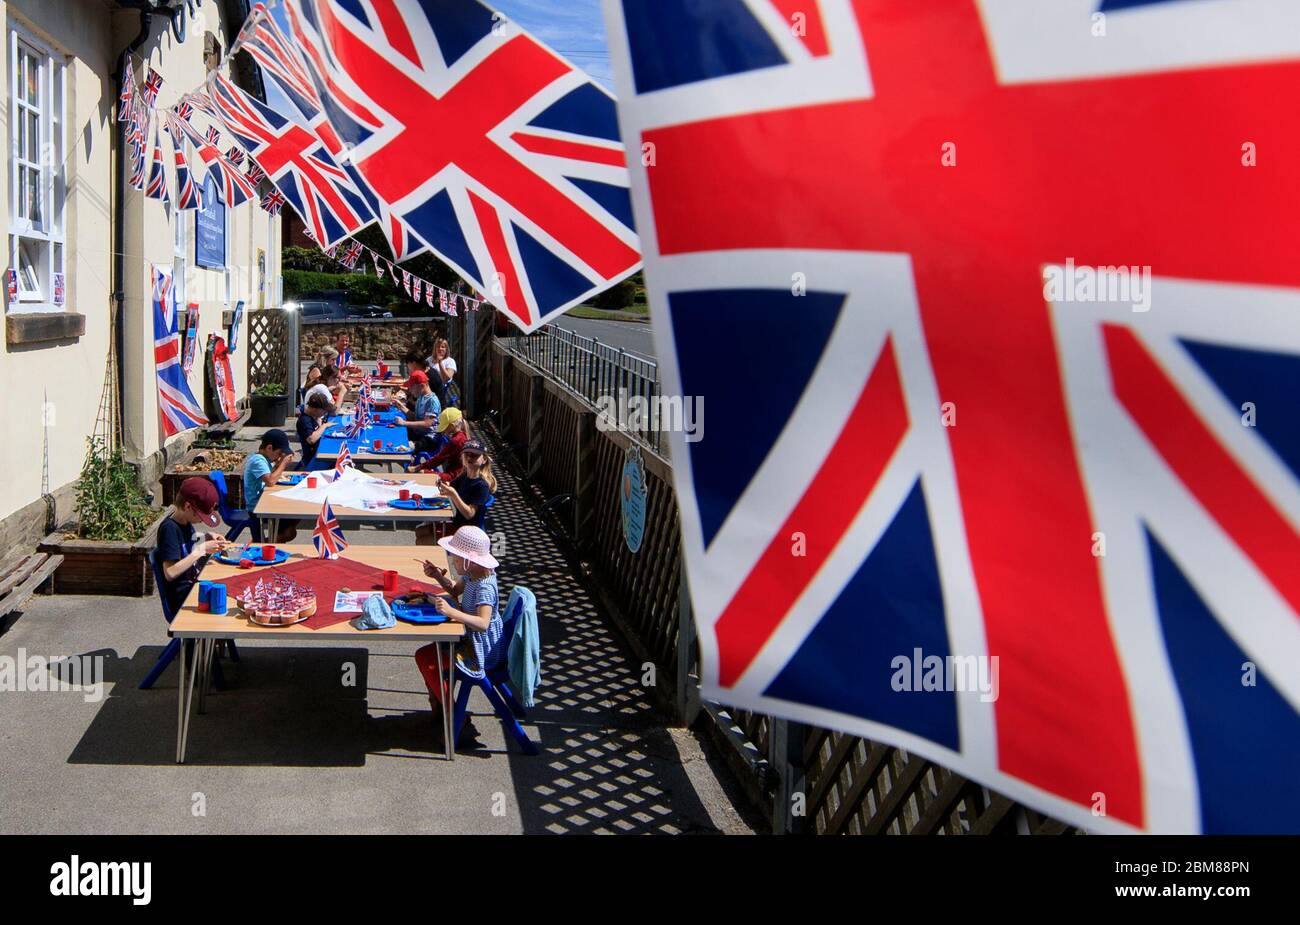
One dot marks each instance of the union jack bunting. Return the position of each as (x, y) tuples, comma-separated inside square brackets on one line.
[(184, 109), (178, 410), (254, 174), (187, 193), (406, 281), (344, 458), (126, 101), (450, 307), (233, 187), (139, 167), (998, 513), (152, 84), (235, 156), (379, 265), (428, 296), (157, 188), (352, 255), (442, 299), (273, 201), (328, 534), (528, 198), (295, 161), (417, 286)]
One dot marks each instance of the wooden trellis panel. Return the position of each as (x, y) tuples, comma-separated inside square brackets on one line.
[(268, 346)]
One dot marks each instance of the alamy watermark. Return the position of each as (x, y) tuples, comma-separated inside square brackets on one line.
[(953, 673), (23, 673), (1071, 283), (641, 414)]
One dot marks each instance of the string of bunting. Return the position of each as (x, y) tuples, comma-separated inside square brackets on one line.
[(445, 300), (246, 118)]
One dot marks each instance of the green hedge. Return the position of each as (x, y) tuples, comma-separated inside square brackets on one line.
[(361, 288)]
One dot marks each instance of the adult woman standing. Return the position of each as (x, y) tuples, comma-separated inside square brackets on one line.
[(442, 373)]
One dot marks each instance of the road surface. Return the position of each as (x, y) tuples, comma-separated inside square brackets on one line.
[(622, 335)]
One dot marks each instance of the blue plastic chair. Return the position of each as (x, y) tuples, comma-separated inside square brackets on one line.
[(236, 520), (174, 646), (496, 687)]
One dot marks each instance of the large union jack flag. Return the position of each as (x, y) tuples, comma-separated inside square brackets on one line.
[(478, 142), (957, 458), (178, 409), (294, 160)]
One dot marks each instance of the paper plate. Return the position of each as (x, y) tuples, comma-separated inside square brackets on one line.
[(293, 478)]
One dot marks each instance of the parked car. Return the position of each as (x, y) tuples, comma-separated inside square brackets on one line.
[(322, 311), (368, 311)]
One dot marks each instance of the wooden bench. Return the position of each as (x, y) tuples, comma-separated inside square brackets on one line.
[(21, 576)]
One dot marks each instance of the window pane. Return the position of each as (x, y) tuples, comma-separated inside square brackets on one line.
[(22, 133), (30, 269), (33, 134), (33, 80), (33, 197)]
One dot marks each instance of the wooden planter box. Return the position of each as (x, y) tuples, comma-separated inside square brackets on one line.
[(171, 480), (102, 567)]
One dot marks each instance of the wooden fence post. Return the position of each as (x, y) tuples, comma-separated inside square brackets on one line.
[(790, 801)]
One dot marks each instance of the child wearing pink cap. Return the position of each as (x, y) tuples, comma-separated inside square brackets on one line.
[(479, 599)]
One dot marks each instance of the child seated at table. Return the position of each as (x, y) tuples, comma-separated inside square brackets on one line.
[(470, 491), (266, 467), (311, 426), (453, 433), (469, 551), (181, 549)]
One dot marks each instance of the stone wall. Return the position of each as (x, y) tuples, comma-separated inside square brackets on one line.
[(395, 337)]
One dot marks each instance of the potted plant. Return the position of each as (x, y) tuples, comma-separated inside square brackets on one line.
[(270, 405), (106, 551)]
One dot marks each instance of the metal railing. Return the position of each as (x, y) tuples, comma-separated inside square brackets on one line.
[(596, 371)]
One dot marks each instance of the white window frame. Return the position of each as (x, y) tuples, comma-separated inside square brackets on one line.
[(43, 235)]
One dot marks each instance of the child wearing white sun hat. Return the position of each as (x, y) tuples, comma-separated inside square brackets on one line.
[(475, 587)]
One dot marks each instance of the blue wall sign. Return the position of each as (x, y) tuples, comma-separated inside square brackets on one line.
[(632, 493), (210, 228)]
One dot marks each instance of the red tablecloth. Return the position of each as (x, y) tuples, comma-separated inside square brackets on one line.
[(326, 577)]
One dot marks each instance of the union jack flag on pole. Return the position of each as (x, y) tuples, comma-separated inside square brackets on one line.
[(328, 534), (178, 410), (528, 197), (1027, 498)]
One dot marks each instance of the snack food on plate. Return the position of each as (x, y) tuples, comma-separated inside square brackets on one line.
[(277, 601)]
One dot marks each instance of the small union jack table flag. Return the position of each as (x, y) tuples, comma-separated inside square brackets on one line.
[(1026, 500), (328, 535), (344, 459)]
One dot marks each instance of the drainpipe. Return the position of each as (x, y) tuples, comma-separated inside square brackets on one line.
[(119, 216)]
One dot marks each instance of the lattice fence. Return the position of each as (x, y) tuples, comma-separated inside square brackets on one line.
[(850, 785), (268, 346)]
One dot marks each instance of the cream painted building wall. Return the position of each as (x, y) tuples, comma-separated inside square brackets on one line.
[(51, 390)]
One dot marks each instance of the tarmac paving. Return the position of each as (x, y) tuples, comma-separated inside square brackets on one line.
[(291, 748)]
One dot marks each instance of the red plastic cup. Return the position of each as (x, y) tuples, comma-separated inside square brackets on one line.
[(268, 552), (390, 581), (404, 494), (379, 445), (311, 481)]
